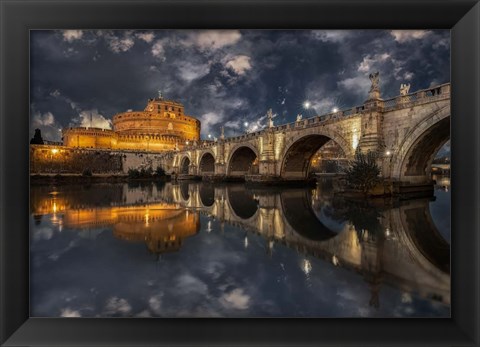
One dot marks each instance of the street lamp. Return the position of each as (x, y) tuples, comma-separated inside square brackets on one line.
[(306, 105), (335, 109)]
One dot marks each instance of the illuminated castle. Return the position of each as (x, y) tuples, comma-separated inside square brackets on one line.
[(161, 126)]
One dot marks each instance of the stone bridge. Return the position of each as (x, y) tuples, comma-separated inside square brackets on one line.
[(406, 132), (405, 250)]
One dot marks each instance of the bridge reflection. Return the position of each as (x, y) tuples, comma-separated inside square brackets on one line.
[(395, 244)]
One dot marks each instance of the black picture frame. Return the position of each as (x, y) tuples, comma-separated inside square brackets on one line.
[(17, 17)]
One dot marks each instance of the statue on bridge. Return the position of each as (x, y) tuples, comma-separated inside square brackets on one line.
[(222, 134), (374, 92), (404, 88), (299, 117), (270, 118)]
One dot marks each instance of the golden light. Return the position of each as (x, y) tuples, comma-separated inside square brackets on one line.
[(306, 266), (147, 219), (54, 150)]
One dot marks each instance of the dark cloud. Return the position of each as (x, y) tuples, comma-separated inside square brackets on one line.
[(224, 77)]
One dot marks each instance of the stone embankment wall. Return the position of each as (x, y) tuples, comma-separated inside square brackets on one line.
[(59, 159)]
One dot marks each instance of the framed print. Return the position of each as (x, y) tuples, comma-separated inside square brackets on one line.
[(287, 163)]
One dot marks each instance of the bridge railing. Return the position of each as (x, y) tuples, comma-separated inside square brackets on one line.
[(421, 96), (439, 92)]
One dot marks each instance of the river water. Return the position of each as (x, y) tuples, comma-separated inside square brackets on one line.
[(225, 250)]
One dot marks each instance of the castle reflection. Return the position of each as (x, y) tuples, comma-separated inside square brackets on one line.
[(395, 243), (161, 226)]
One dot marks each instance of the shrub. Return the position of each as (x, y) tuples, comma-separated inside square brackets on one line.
[(142, 173), (133, 173), (148, 172), (160, 172), (363, 172)]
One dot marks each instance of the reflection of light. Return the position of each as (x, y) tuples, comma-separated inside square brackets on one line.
[(246, 242), (306, 266), (270, 244), (335, 260), (387, 232), (54, 151), (54, 207), (147, 218), (209, 226)]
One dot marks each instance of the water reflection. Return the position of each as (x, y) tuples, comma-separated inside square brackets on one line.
[(386, 245)]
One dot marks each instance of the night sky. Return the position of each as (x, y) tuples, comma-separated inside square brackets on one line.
[(83, 78)]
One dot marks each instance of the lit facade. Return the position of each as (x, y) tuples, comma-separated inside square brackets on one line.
[(161, 126)]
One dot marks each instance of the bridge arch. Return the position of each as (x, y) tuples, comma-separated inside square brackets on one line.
[(184, 165), (207, 194), (296, 157), (206, 164), (413, 158), (297, 210), (419, 232), (242, 203), (243, 159), (184, 195)]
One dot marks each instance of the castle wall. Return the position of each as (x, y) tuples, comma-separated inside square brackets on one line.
[(135, 160), (184, 127), (60, 159), (89, 138), (147, 143)]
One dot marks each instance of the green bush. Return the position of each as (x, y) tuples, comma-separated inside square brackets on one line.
[(133, 173), (363, 172), (160, 172), (142, 173)]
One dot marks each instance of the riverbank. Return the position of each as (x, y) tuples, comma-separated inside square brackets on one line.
[(386, 189), (68, 178)]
